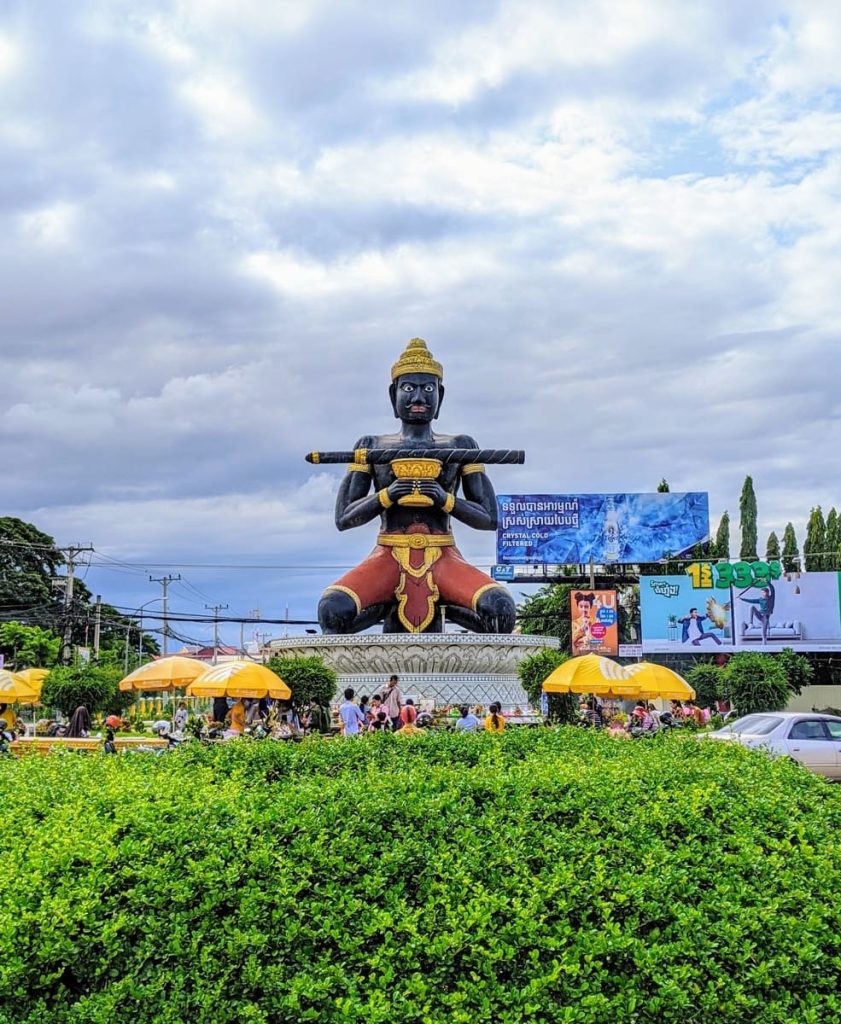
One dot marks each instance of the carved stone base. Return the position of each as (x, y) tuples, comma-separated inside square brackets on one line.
[(448, 668)]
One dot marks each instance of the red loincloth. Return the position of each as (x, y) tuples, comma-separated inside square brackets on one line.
[(417, 573)]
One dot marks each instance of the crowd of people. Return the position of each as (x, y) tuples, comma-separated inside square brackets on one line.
[(644, 719), (389, 712), (385, 711)]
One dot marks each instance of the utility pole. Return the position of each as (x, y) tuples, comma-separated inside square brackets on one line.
[(254, 614), (67, 643), (215, 608), (97, 623), (261, 639), (165, 582)]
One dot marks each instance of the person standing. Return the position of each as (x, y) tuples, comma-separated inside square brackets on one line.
[(393, 702), (180, 719), (318, 719), (467, 721), (761, 608), (351, 715)]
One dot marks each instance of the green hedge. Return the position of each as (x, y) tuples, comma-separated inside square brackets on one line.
[(541, 875)]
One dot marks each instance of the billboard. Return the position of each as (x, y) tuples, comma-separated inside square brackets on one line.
[(595, 622), (677, 616), (801, 611), (574, 529)]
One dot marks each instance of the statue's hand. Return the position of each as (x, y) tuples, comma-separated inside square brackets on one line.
[(399, 489), (432, 489)]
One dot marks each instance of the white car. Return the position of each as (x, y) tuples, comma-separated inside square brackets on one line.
[(813, 740)]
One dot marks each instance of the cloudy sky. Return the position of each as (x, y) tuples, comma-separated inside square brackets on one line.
[(616, 225)]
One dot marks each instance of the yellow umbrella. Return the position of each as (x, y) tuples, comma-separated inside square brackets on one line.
[(13, 689), (658, 681), (164, 674), (591, 673), (33, 677), (239, 679)]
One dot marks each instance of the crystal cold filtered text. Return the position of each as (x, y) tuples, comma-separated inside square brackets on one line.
[(569, 529)]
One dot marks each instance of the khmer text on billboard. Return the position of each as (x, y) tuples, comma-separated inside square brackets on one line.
[(711, 612), (569, 529)]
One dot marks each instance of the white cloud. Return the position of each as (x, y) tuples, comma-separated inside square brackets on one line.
[(51, 226), (616, 225), (11, 56)]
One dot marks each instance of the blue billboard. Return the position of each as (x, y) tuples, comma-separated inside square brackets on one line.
[(572, 529), (678, 616)]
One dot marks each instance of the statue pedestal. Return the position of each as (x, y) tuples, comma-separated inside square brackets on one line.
[(447, 668)]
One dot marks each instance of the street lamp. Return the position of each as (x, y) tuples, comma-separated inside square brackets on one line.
[(138, 612)]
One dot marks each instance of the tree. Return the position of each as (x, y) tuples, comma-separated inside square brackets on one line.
[(546, 613), (628, 609), (28, 646), (707, 682), (798, 670), (791, 553), (307, 678), (29, 561), (747, 521), (832, 541), (756, 682), (814, 547), (90, 686), (563, 707), (663, 486), (772, 548), (721, 544)]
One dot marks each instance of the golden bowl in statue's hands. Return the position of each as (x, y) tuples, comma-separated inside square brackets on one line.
[(417, 470)]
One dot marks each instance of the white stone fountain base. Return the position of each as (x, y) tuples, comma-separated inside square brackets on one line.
[(447, 668)]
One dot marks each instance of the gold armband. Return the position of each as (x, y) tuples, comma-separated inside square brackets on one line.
[(385, 501), (353, 468), (449, 504), (473, 467)]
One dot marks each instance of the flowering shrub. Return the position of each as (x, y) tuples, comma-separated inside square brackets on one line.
[(540, 875)]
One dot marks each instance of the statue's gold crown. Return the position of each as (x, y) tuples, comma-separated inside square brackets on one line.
[(417, 359)]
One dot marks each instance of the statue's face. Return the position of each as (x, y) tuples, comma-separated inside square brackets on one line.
[(417, 397)]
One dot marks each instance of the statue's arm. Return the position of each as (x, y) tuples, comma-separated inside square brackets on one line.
[(355, 505), (478, 506)]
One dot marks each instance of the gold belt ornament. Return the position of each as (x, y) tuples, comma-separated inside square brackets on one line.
[(416, 540)]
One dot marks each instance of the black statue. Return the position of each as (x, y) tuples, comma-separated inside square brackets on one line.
[(410, 482)]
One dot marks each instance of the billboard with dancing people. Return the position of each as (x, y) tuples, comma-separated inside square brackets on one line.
[(575, 529), (678, 616), (742, 605), (595, 623)]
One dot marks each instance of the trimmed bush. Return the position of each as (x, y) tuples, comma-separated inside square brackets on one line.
[(799, 671), (307, 678), (756, 682), (538, 876), (533, 671), (707, 682), (90, 686)]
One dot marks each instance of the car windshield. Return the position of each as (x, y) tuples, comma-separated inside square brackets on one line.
[(753, 725)]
